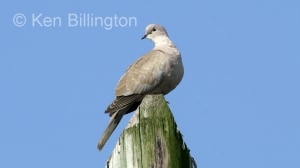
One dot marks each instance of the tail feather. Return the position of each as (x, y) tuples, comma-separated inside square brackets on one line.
[(121, 106), (113, 123)]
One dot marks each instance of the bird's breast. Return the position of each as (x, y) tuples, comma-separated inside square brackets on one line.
[(173, 74)]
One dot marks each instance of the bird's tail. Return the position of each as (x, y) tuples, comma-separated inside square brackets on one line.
[(113, 123)]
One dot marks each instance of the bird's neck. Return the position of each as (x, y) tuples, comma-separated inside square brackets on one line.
[(167, 46), (163, 42)]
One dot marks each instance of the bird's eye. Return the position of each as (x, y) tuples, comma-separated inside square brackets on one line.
[(154, 29)]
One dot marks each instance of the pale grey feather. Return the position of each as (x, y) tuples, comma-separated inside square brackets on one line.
[(143, 76)]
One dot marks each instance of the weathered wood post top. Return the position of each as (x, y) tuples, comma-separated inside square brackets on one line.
[(151, 139)]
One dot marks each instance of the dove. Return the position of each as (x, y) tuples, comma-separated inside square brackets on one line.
[(157, 72)]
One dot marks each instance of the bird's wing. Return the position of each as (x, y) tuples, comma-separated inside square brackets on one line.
[(124, 104), (140, 78), (144, 75)]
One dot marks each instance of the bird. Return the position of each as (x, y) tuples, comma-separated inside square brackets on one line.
[(156, 72)]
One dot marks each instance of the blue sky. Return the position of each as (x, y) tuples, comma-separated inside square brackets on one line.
[(237, 106)]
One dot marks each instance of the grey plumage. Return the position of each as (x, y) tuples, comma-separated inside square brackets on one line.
[(157, 72)]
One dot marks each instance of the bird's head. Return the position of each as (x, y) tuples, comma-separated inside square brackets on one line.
[(155, 32)]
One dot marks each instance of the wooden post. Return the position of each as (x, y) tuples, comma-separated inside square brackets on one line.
[(151, 139)]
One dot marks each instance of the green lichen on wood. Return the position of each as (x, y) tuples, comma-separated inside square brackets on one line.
[(153, 139)]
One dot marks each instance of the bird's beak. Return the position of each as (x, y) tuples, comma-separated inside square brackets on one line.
[(144, 36)]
